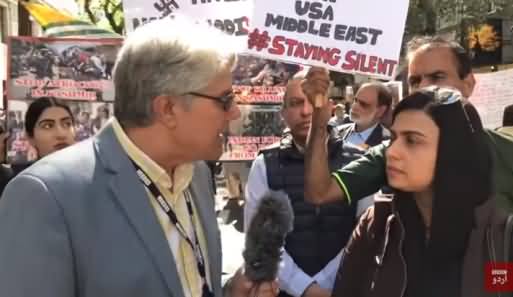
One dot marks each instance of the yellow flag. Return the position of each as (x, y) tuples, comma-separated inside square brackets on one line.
[(60, 24), (45, 15)]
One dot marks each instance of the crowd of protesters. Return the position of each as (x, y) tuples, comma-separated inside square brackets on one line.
[(409, 198)]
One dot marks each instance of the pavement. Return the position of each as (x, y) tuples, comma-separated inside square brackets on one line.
[(232, 242), (229, 218)]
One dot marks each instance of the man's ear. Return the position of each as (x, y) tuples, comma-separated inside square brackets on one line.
[(164, 110), (469, 82), (382, 109)]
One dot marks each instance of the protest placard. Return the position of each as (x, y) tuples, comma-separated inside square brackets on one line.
[(259, 85), (258, 127), (347, 36), (77, 71), (493, 92), (261, 81), (231, 16), (72, 69)]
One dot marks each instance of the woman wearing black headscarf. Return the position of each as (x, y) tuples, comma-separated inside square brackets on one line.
[(437, 226)]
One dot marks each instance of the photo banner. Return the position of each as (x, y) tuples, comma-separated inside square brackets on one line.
[(259, 85), (258, 127), (231, 17), (346, 36), (68, 69), (492, 93)]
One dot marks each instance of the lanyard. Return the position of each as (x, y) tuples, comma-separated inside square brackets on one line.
[(157, 195)]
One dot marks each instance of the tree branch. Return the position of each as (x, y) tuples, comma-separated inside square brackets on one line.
[(118, 6), (90, 14), (110, 16), (430, 16)]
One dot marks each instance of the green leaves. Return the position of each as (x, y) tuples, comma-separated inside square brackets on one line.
[(106, 14), (434, 16)]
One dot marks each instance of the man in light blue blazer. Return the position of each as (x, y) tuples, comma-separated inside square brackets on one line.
[(96, 219)]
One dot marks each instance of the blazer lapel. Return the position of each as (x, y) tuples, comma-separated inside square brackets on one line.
[(204, 202), (346, 130), (133, 199), (376, 136)]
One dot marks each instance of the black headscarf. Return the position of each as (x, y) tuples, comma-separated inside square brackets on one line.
[(462, 181)]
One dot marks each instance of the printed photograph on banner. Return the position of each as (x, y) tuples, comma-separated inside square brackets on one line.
[(89, 118), (341, 35), (229, 16), (261, 81), (258, 127), (76, 69)]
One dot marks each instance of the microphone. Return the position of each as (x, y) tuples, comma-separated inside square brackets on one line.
[(265, 237)]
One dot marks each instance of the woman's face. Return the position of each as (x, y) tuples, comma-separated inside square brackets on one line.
[(53, 131), (412, 154)]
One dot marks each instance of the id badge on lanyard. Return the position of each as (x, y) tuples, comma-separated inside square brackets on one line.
[(195, 246)]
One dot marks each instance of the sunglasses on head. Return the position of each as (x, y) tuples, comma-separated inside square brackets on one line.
[(445, 95)]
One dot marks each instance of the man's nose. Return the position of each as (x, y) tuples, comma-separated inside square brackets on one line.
[(307, 108)]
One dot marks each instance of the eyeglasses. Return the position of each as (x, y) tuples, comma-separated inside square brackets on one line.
[(225, 100)]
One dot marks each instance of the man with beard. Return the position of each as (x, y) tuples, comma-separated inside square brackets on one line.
[(371, 103), (370, 106)]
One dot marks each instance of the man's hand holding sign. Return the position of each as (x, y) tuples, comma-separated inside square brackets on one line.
[(316, 87)]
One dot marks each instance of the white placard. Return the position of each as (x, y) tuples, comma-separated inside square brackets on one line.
[(493, 92), (231, 16), (343, 35)]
